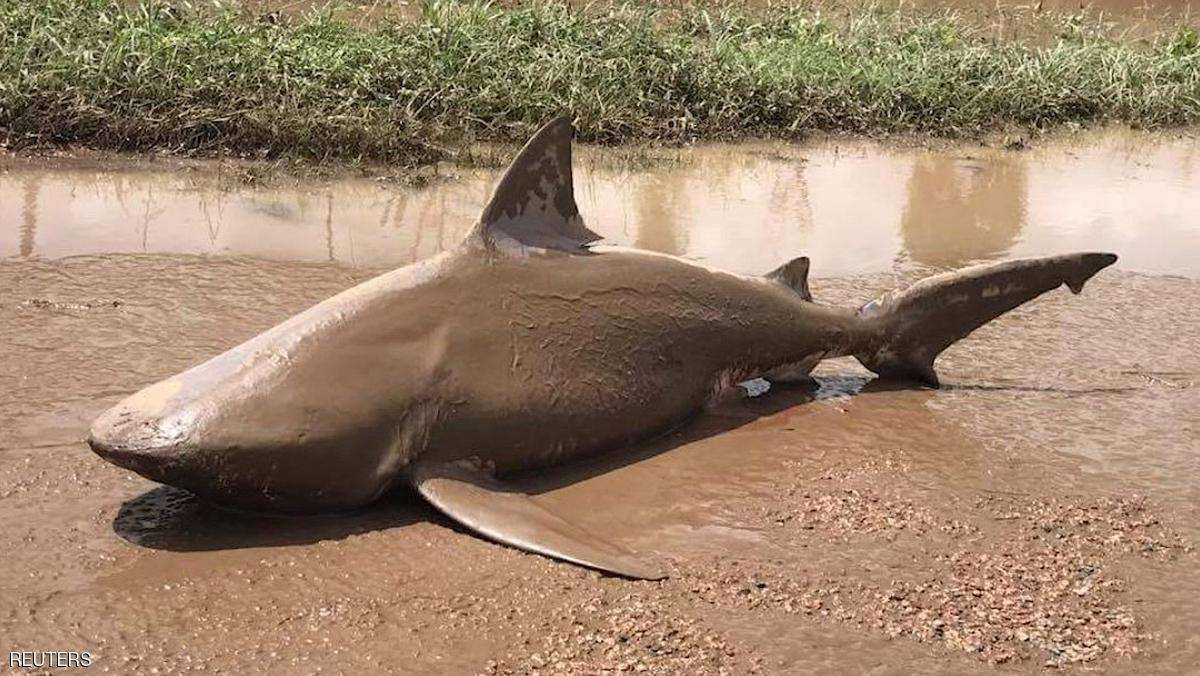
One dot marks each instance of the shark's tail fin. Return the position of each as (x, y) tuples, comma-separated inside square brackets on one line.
[(908, 329)]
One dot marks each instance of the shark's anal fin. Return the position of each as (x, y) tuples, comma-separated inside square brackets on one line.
[(476, 500)]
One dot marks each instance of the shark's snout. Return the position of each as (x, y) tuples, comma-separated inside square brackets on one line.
[(109, 446), (141, 433), (123, 445), (147, 461), (242, 452)]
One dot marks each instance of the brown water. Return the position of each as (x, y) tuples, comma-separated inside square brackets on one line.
[(854, 208), (1036, 510)]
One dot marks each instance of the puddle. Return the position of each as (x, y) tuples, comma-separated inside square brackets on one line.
[(854, 208)]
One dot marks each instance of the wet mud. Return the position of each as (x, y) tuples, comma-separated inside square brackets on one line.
[(1038, 511)]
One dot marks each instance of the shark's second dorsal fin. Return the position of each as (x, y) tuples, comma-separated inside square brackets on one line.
[(534, 203), (794, 275)]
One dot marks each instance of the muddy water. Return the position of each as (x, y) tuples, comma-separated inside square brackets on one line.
[(854, 208), (1038, 510)]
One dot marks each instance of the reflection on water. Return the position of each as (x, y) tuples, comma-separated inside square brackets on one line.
[(959, 209), (654, 202), (854, 208), (29, 193)]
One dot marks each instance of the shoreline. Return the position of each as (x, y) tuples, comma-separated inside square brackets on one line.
[(106, 76), (242, 172)]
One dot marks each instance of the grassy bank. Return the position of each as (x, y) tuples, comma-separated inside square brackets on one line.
[(105, 75)]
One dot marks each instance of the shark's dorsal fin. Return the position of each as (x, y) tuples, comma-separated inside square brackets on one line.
[(478, 502), (794, 275), (534, 203)]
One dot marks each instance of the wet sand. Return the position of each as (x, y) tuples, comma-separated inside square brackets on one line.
[(1037, 512)]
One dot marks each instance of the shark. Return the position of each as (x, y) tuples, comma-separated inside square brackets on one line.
[(528, 345)]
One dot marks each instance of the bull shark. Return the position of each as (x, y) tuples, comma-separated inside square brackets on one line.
[(526, 346)]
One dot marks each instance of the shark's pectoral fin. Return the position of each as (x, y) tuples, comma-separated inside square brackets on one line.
[(474, 499)]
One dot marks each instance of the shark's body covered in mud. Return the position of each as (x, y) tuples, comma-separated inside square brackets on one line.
[(522, 348)]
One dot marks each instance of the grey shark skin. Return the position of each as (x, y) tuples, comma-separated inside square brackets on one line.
[(522, 348)]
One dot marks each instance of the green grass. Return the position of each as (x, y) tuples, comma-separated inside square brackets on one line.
[(105, 74)]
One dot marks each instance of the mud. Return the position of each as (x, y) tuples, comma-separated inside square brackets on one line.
[(1038, 511)]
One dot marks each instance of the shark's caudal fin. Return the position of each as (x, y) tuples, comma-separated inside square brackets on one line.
[(908, 329), (534, 203)]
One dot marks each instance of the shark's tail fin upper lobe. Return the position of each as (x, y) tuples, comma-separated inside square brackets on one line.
[(906, 330)]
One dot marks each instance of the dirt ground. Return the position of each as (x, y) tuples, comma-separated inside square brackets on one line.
[(1036, 513)]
